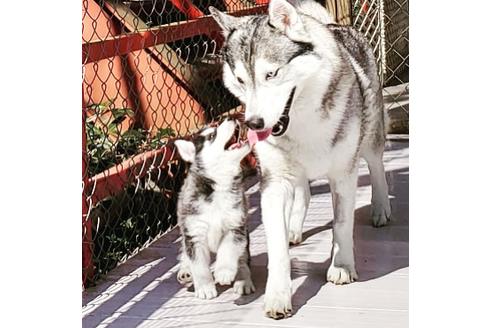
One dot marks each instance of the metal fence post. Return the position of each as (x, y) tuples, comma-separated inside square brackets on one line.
[(382, 43)]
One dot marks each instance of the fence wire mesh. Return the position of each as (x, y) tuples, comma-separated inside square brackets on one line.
[(151, 73), (385, 23)]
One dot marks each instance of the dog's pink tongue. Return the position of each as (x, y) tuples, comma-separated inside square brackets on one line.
[(256, 136)]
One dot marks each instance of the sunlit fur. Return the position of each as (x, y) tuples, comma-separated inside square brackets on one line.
[(212, 214), (336, 117)]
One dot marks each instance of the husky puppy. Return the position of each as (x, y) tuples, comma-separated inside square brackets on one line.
[(212, 212), (314, 106)]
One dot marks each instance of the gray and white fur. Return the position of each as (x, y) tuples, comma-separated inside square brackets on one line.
[(296, 59), (212, 213)]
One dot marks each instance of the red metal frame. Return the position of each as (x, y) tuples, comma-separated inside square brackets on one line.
[(123, 44), (114, 179), (188, 8)]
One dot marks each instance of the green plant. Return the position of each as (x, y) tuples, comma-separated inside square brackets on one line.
[(124, 223), (108, 145), (160, 138)]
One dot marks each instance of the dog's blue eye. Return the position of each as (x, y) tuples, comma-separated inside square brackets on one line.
[(271, 75), (211, 136)]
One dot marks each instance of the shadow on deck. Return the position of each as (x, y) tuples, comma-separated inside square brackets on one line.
[(143, 292)]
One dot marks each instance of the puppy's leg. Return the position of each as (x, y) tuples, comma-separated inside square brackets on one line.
[(276, 204), (184, 273), (232, 261), (243, 284), (380, 209), (302, 196), (228, 253), (199, 257), (342, 268)]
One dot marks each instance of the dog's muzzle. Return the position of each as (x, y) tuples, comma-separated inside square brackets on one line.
[(282, 124)]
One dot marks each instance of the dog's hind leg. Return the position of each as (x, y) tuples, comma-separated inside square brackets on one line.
[(276, 204), (302, 196), (380, 205), (184, 273), (342, 267), (243, 284)]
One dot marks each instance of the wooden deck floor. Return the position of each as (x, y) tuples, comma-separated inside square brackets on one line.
[(143, 292)]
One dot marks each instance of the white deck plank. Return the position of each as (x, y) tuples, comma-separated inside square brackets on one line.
[(143, 292)]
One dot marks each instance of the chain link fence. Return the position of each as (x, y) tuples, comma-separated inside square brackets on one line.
[(385, 23), (152, 73)]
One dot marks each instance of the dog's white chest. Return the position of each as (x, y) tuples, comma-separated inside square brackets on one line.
[(220, 215), (309, 144), (310, 136)]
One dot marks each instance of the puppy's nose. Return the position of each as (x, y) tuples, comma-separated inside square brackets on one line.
[(255, 123)]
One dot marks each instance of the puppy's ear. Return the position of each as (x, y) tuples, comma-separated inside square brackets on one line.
[(226, 22), (186, 150), (285, 17)]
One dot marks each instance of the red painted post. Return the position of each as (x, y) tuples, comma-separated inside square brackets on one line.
[(187, 8)]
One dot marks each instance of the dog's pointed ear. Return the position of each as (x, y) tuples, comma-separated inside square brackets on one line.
[(226, 22), (285, 17), (186, 150)]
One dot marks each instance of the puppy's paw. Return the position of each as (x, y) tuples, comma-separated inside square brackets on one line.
[(184, 276), (341, 275), (224, 275), (206, 292), (381, 214), (278, 304), (244, 287), (295, 237)]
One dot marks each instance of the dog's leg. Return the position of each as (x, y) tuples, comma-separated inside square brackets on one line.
[(380, 209), (302, 196), (199, 257), (184, 273), (243, 284), (232, 262), (343, 190), (276, 204), (230, 249)]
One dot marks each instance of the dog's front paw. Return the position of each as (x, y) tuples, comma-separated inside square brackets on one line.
[(295, 237), (381, 214), (244, 287), (184, 276), (206, 292), (224, 276), (278, 304), (341, 275)]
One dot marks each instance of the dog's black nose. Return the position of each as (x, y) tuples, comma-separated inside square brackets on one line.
[(255, 123)]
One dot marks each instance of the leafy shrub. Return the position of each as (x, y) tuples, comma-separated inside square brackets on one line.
[(108, 144)]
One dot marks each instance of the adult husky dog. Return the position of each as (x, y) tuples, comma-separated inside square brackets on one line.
[(314, 105)]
